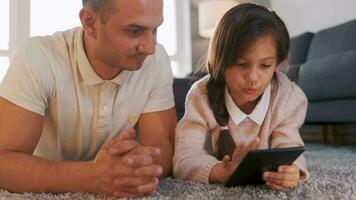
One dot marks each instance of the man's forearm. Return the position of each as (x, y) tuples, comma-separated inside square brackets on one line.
[(25, 173)]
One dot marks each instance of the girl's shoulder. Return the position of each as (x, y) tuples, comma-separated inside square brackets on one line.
[(197, 107), (199, 86), (285, 88), (286, 92), (288, 105)]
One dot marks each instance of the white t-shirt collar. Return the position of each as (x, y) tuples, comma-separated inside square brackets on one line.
[(87, 72)]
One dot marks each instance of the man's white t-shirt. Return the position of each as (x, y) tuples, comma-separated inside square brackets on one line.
[(52, 76)]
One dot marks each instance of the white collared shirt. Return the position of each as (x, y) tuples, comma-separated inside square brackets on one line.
[(258, 114), (52, 76)]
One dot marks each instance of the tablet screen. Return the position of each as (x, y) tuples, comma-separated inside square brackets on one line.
[(249, 171)]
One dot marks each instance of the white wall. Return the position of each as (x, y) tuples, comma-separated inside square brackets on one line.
[(312, 15)]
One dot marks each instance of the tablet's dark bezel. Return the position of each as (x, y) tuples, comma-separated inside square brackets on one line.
[(249, 171)]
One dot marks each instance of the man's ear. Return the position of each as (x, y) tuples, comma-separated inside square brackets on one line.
[(89, 18)]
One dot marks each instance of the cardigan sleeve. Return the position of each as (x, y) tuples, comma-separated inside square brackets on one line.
[(192, 160), (290, 116)]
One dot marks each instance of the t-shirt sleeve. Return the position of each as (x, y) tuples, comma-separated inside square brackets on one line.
[(161, 96), (27, 82)]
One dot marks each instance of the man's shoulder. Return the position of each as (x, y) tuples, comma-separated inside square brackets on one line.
[(57, 41), (49, 54)]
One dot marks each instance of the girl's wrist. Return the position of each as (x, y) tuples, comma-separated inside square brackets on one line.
[(218, 174)]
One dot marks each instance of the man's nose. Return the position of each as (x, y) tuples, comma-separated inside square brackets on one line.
[(148, 44)]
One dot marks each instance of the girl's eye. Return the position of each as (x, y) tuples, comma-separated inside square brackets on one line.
[(240, 64), (266, 66)]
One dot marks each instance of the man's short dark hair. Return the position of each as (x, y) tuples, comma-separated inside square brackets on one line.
[(94, 4), (103, 7)]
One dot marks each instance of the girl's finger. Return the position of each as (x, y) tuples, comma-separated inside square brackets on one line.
[(226, 159), (269, 176), (274, 186), (283, 183), (288, 169)]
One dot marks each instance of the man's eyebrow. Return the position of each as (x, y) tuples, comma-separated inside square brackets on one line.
[(136, 26)]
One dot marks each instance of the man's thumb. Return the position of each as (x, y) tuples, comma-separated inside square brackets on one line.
[(128, 134)]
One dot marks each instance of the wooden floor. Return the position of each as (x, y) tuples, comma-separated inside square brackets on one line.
[(340, 134)]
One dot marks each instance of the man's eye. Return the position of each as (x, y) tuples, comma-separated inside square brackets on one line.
[(135, 32), (240, 64)]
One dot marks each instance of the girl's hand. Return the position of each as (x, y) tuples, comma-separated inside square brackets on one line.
[(287, 176), (221, 172)]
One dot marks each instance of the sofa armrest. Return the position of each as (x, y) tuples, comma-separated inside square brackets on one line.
[(180, 90)]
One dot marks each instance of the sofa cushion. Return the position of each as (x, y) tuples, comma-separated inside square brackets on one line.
[(333, 40), (180, 90), (329, 78), (299, 46), (337, 111)]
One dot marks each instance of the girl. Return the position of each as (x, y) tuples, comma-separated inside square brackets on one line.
[(245, 95)]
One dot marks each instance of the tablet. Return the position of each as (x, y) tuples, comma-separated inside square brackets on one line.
[(249, 171)]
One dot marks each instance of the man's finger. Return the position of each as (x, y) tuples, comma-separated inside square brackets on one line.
[(132, 181), (121, 194), (149, 171), (149, 188), (128, 134), (146, 150), (138, 160), (144, 189), (122, 147)]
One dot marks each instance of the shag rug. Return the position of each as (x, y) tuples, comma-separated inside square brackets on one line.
[(333, 176)]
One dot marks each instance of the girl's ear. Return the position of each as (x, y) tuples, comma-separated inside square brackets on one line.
[(89, 19)]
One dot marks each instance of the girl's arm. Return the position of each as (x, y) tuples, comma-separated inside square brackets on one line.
[(289, 116), (193, 157)]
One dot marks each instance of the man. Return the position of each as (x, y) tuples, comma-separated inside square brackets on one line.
[(69, 102)]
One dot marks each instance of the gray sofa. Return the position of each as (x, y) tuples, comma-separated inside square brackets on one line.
[(324, 66)]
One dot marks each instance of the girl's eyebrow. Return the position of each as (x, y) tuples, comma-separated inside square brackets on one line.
[(267, 58)]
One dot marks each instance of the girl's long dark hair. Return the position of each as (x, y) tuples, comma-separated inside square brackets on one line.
[(238, 28)]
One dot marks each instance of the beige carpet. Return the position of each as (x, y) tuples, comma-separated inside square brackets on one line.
[(333, 176)]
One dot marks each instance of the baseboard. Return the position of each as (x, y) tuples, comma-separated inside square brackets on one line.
[(340, 134)]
